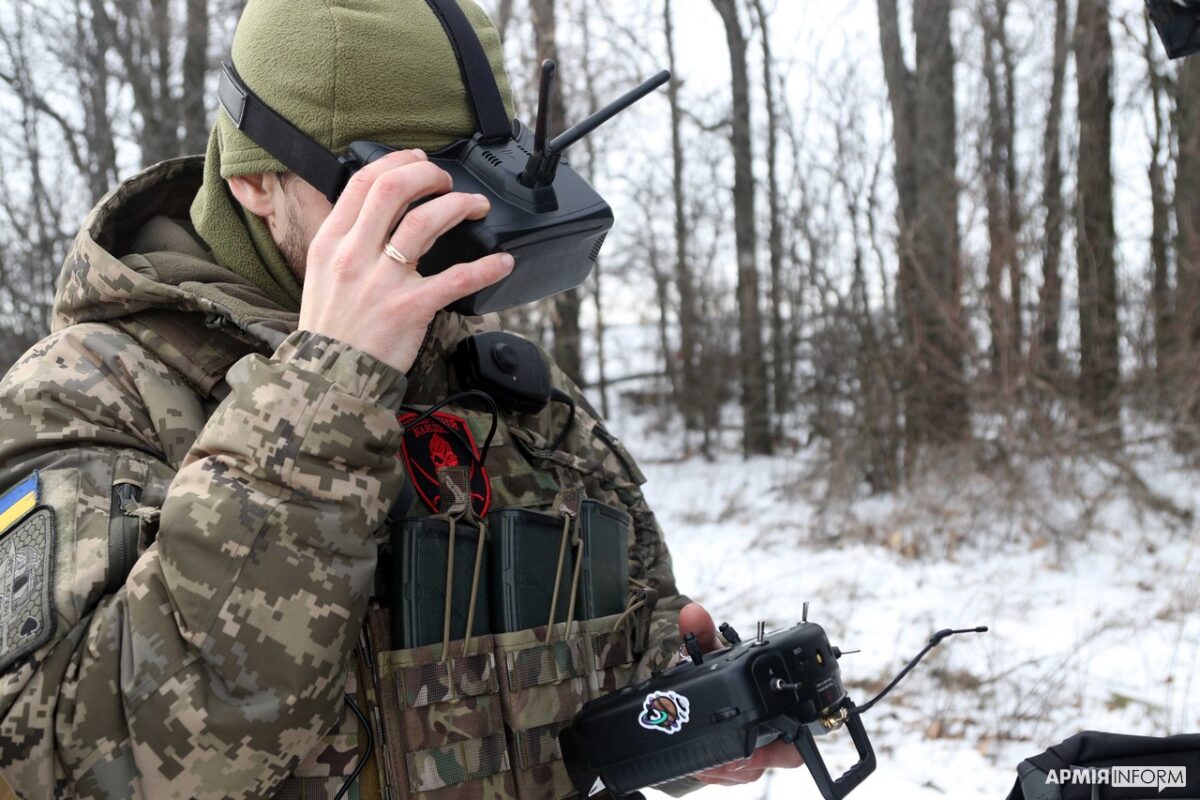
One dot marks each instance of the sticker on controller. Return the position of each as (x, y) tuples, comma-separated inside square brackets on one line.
[(666, 712)]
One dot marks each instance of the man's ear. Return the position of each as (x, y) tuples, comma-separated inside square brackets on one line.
[(258, 192)]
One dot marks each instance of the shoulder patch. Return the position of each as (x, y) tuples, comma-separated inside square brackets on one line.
[(18, 501), (26, 586), (439, 441)]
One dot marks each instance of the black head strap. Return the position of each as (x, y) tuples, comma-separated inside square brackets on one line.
[(322, 169), (482, 90), (279, 137)]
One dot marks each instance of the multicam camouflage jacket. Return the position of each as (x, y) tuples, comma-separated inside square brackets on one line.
[(193, 494)]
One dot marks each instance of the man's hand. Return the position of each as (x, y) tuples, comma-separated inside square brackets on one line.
[(694, 619), (355, 293)]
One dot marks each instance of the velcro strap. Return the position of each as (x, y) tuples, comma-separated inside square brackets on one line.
[(539, 745), (439, 767), (464, 676), (536, 666), (643, 619), (612, 649)]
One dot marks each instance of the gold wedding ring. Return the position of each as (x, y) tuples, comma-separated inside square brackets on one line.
[(395, 255)]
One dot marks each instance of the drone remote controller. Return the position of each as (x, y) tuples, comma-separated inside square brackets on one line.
[(714, 708)]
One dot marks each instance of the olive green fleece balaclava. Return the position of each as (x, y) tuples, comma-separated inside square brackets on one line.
[(341, 71)]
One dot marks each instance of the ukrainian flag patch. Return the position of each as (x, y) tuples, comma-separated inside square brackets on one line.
[(27, 547), (18, 501)]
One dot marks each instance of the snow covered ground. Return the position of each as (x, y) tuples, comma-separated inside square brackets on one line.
[(1086, 576)]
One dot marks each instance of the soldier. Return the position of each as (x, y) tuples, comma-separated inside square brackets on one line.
[(201, 458)]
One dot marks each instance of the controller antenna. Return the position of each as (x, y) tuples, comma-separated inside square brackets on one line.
[(934, 641)]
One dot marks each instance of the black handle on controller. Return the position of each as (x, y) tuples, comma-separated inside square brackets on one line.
[(837, 789)]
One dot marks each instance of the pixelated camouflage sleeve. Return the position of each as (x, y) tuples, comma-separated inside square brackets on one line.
[(219, 660)]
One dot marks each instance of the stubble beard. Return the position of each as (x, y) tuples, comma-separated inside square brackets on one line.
[(294, 247)]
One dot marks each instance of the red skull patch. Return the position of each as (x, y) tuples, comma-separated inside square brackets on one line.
[(438, 441)]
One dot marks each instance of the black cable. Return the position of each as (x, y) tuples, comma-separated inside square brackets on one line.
[(366, 756), (562, 397), (487, 442), (934, 641)]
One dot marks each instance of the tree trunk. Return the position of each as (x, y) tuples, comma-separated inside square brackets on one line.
[(587, 168), (1016, 269), (1099, 368), (904, 130), (929, 284), (1000, 181), (1045, 345), (779, 335), (904, 136), (162, 111), (942, 416), (685, 283), (195, 67), (993, 157), (755, 400), (1160, 226), (567, 338), (92, 76), (1187, 245), (504, 13)]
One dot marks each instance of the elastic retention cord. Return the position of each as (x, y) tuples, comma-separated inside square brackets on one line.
[(449, 593), (635, 606), (575, 577), (632, 606), (562, 562), (470, 639)]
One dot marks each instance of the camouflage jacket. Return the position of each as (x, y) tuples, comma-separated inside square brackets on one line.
[(188, 549)]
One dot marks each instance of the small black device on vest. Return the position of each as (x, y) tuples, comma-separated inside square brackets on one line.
[(714, 708), (1178, 24), (543, 212), (510, 369)]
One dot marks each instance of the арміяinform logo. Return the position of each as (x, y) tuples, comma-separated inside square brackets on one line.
[(1156, 778)]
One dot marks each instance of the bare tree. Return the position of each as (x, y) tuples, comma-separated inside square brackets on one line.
[(195, 69), (1099, 368), (1187, 243), (755, 386), (1004, 267), (1045, 345), (930, 279), (1160, 225), (504, 15), (689, 313), (780, 360), (589, 169), (567, 337), (33, 235)]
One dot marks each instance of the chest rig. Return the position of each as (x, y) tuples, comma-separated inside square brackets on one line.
[(503, 601)]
